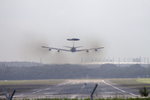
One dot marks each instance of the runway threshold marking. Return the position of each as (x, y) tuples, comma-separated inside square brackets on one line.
[(113, 86)]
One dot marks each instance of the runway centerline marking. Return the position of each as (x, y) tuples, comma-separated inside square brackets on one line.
[(113, 86)]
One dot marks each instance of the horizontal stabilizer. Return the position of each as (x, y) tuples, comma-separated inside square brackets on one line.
[(67, 47), (100, 48), (78, 46)]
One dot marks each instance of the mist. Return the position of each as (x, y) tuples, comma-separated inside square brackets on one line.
[(121, 27)]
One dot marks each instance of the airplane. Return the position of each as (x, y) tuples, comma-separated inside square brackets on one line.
[(72, 49)]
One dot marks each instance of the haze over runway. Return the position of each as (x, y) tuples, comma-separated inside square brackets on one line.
[(121, 26)]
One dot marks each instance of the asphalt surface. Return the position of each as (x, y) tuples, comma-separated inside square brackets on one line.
[(78, 89)]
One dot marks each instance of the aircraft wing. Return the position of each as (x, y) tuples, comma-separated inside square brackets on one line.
[(64, 50), (50, 47), (96, 48), (56, 49), (45, 47), (82, 50), (89, 49)]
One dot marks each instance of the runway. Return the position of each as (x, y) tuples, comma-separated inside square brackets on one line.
[(78, 89)]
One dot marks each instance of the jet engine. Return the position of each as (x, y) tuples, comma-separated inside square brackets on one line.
[(49, 49), (57, 50), (87, 51), (95, 49)]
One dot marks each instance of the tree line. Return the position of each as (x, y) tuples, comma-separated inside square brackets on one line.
[(69, 71)]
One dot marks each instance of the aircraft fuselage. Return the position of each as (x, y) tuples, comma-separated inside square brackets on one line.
[(73, 49)]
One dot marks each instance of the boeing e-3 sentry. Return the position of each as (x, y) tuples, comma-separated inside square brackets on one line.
[(72, 49)]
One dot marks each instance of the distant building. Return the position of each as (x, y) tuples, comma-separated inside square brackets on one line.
[(136, 60)]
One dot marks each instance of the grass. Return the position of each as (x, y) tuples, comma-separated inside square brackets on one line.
[(26, 85), (125, 81), (87, 99), (144, 80), (31, 82), (134, 83)]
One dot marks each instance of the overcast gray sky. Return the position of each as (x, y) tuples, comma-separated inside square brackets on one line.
[(121, 26)]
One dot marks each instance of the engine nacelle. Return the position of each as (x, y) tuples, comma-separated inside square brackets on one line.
[(57, 50), (87, 51), (49, 49), (95, 49)]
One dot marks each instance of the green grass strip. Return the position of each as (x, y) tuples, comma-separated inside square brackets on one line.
[(144, 80), (93, 99)]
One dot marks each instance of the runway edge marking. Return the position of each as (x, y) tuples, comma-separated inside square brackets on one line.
[(113, 86)]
